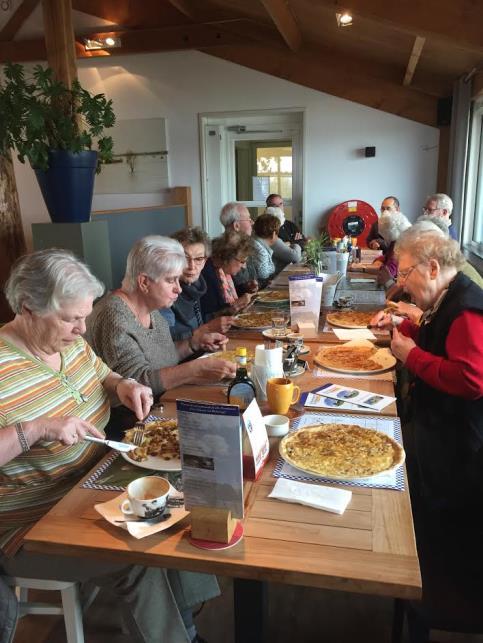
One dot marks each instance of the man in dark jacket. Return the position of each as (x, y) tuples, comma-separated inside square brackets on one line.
[(289, 232), (374, 240)]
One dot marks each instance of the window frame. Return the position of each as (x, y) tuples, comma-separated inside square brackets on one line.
[(474, 181)]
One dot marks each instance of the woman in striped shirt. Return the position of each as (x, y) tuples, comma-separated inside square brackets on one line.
[(54, 391)]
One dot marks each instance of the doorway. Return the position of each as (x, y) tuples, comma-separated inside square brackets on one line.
[(246, 157)]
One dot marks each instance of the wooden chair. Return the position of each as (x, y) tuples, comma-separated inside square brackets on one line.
[(71, 608)]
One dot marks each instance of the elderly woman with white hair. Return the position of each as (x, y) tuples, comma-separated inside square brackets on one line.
[(127, 330), (283, 252), (445, 355), (54, 392)]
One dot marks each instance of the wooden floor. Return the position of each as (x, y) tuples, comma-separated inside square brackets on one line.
[(297, 614)]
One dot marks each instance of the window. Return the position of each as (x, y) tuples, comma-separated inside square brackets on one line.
[(473, 221)]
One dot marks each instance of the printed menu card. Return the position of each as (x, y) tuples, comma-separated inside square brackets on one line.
[(211, 455)]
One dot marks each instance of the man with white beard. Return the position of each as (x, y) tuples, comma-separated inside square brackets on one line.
[(375, 240), (440, 206)]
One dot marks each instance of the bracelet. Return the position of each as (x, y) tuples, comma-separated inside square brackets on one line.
[(21, 437)]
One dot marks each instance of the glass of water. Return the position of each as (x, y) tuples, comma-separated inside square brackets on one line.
[(279, 324)]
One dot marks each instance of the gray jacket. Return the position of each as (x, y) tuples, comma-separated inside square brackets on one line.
[(284, 254)]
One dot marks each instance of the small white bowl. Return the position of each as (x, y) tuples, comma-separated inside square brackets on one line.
[(277, 425)]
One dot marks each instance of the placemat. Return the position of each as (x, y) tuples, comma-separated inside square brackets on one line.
[(389, 426), (115, 473), (376, 297)]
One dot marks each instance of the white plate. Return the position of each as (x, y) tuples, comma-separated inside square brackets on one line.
[(155, 463)]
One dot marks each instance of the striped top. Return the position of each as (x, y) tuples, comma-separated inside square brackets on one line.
[(33, 482)]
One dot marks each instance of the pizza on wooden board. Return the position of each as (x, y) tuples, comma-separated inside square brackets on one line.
[(273, 296), (341, 451)]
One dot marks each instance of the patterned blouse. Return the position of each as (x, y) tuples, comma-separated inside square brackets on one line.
[(33, 482), (227, 287)]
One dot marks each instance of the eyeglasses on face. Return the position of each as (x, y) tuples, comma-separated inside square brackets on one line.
[(198, 261), (431, 211), (403, 275)]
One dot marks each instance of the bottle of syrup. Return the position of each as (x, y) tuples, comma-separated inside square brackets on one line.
[(242, 389)]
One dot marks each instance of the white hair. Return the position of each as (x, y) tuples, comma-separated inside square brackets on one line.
[(230, 213), (276, 212), (427, 222), (392, 224), (424, 245), (443, 201), (46, 280), (154, 256)]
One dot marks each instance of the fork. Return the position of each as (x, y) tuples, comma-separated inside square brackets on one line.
[(138, 436)]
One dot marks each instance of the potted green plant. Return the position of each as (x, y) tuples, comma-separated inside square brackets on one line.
[(55, 127), (314, 247)]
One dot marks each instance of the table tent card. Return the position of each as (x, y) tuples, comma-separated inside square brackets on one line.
[(211, 455), (305, 297), (258, 438)]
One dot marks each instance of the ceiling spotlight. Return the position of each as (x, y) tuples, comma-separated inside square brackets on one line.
[(344, 19), (105, 42)]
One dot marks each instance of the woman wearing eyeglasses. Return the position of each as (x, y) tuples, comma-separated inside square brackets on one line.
[(444, 353), (185, 317), (229, 254)]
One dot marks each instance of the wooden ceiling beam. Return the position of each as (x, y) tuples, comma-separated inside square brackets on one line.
[(184, 7), (59, 39), (17, 19), (115, 11), (334, 74), (457, 21), (283, 19), (413, 59)]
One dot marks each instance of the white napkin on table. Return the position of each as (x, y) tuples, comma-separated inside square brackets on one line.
[(353, 333), (317, 496)]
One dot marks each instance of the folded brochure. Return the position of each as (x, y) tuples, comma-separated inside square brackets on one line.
[(350, 395)]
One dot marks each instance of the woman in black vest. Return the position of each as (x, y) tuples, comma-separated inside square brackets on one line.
[(444, 353)]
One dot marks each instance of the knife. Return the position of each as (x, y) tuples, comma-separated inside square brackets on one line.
[(119, 446)]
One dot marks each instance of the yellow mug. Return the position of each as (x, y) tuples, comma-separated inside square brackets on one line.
[(281, 393)]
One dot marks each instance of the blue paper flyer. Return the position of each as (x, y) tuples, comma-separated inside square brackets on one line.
[(211, 455)]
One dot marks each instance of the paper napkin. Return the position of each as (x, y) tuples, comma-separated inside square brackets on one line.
[(317, 496), (353, 333), (111, 511)]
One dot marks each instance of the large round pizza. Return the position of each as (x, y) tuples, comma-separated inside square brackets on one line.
[(341, 451), (359, 357), (351, 318)]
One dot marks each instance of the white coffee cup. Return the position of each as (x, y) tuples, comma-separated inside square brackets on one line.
[(147, 497), (276, 425), (328, 294)]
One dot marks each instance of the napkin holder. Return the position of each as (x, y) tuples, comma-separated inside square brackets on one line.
[(213, 524)]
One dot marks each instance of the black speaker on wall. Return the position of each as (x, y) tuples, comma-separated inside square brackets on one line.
[(445, 106), (369, 152)]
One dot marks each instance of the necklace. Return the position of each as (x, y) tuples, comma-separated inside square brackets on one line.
[(143, 320)]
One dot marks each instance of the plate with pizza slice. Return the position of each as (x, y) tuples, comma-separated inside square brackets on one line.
[(357, 357), (159, 449), (254, 320), (341, 451), (350, 318)]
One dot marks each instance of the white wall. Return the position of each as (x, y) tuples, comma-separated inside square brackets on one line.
[(181, 85)]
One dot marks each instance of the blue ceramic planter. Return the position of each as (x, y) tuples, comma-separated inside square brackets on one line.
[(68, 185)]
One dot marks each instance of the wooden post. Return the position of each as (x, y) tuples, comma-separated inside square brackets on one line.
[(59, 39), (12, 240)]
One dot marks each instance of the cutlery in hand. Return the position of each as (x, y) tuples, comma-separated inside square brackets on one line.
[(118, 446)]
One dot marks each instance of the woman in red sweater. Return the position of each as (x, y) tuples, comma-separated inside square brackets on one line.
[(444, 353)]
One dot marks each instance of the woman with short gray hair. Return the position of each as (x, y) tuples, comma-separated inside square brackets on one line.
[(444, 352), (127, 330)]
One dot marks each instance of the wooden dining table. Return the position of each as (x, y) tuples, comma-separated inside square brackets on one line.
[(369, 549)]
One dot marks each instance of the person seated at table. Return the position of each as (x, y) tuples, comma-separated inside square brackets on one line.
[(437, 225), (385, 267), (445, 355), (440, 206), (289, 231), (266, 234), (284, 252), (235, 217), (184, 317), (229, 254), (374, 239), (129, 333), (54, 391)]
